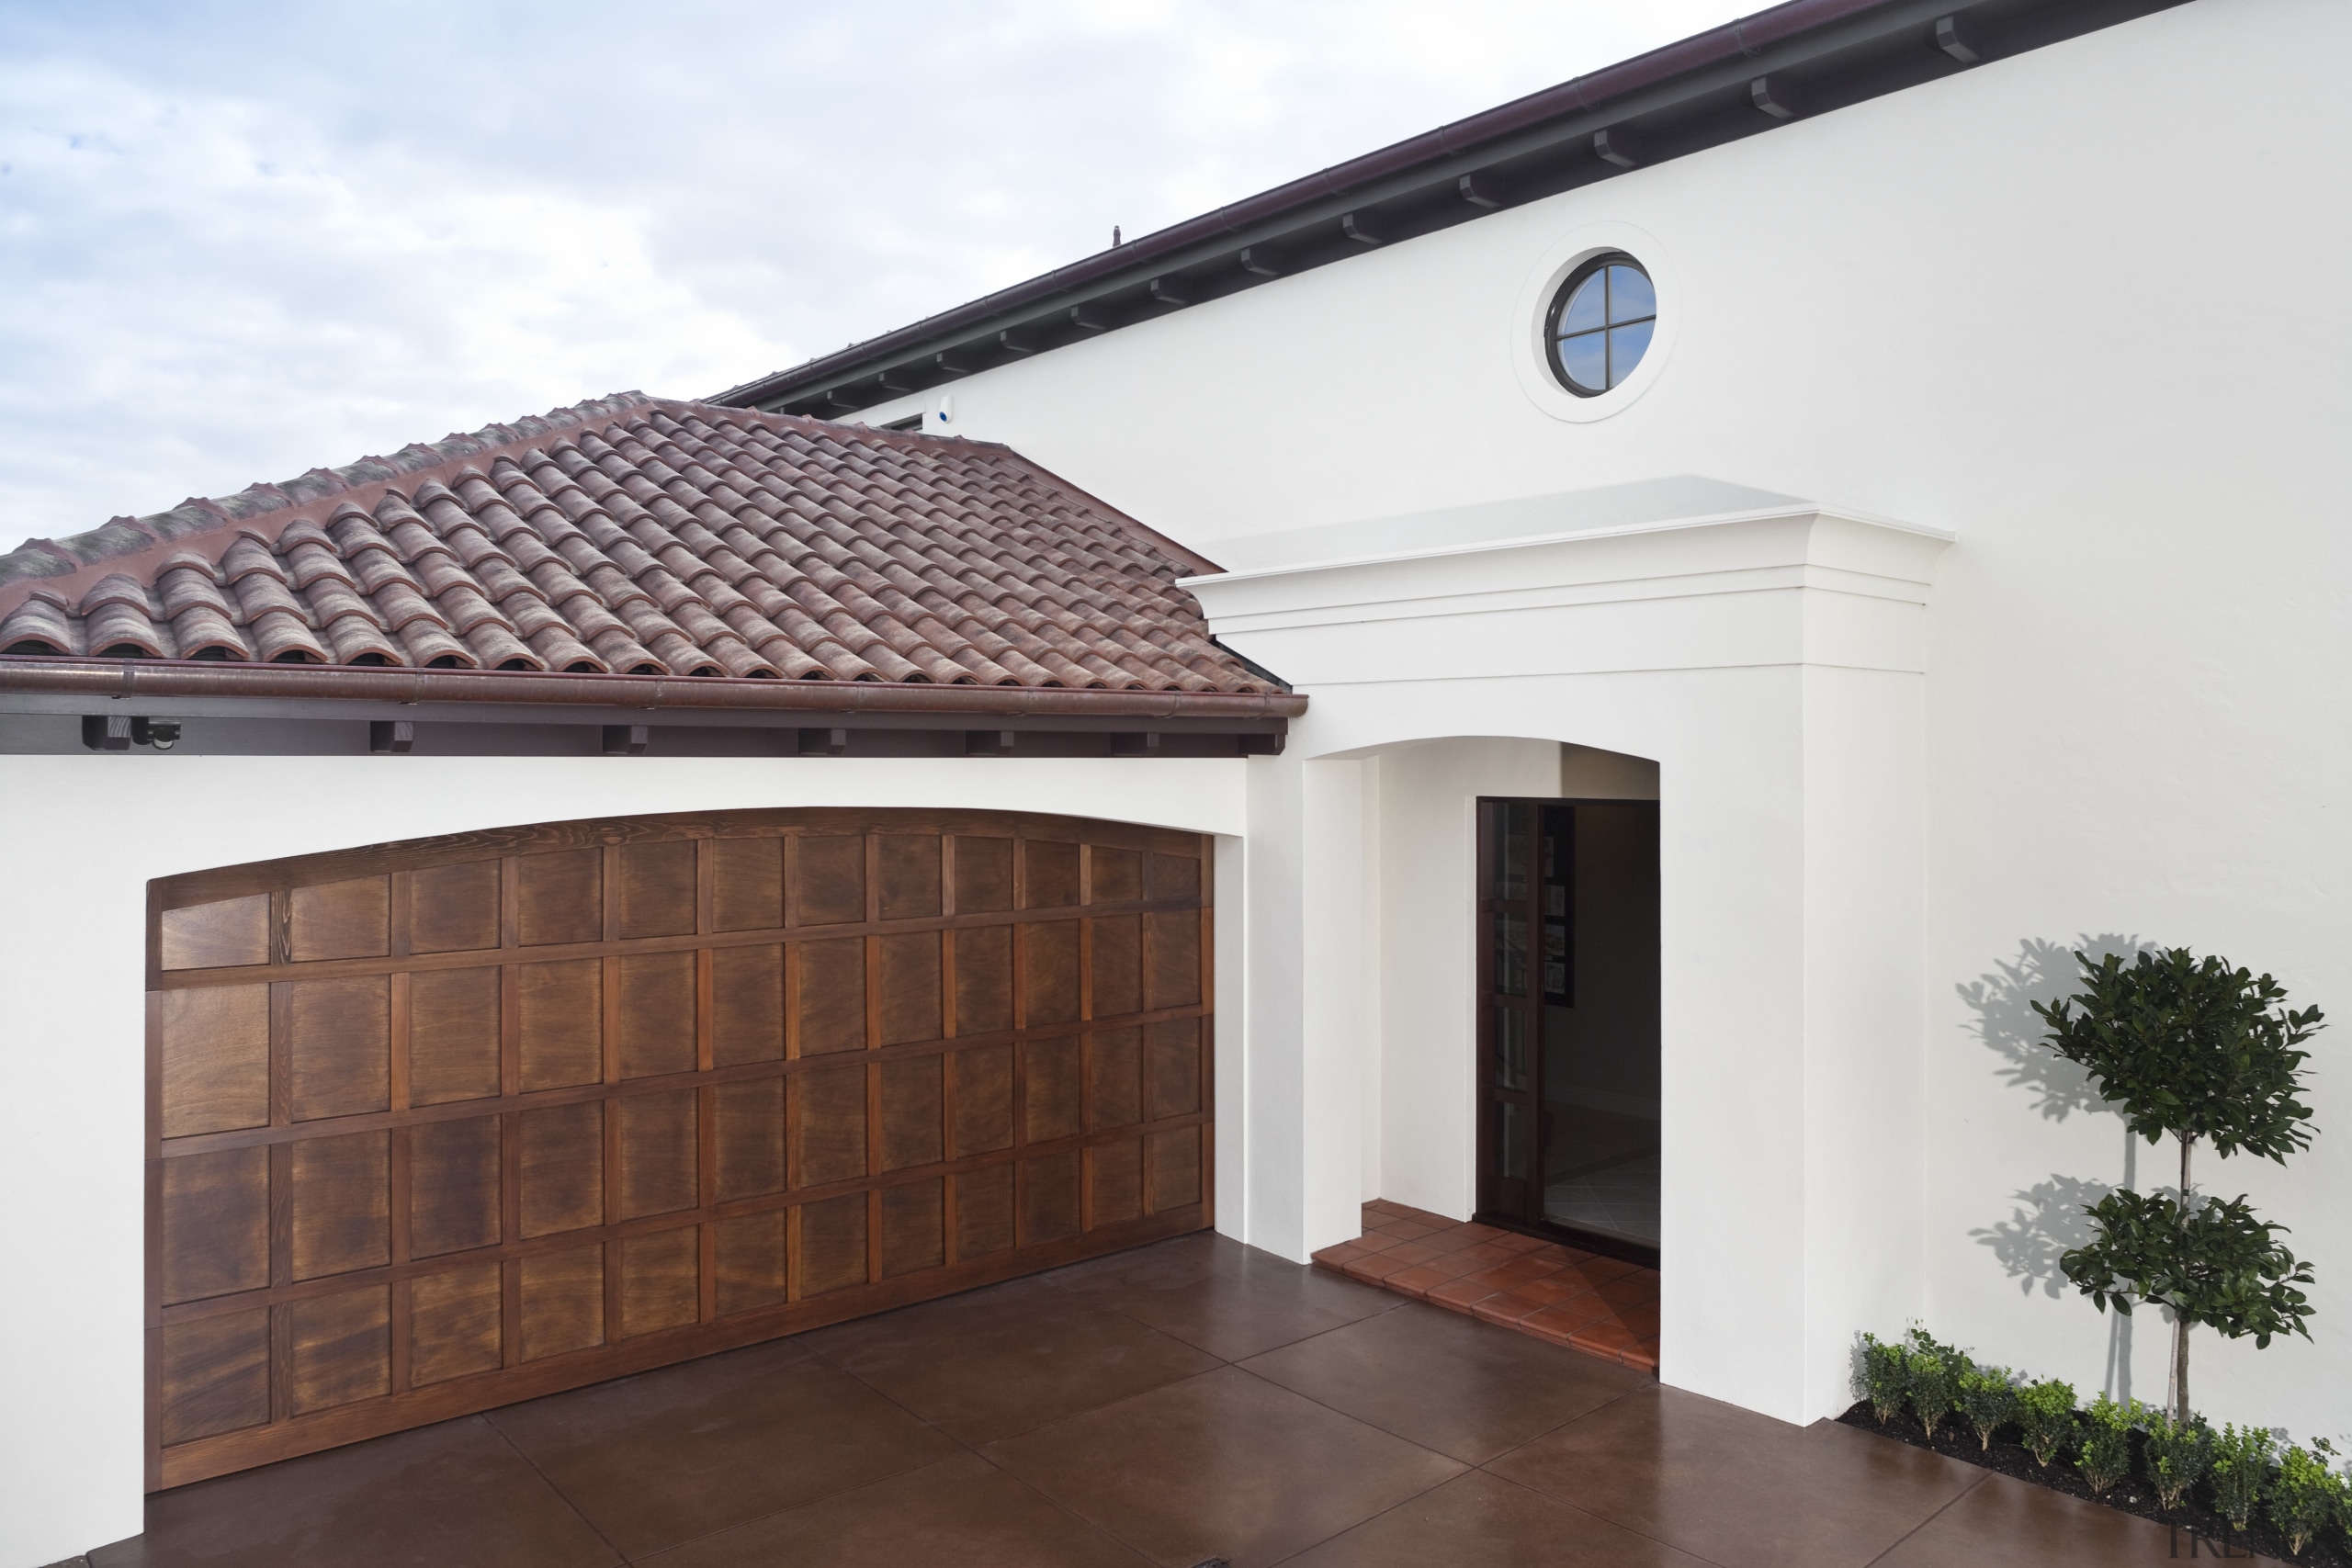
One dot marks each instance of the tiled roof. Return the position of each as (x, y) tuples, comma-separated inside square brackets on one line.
[(633, 536)]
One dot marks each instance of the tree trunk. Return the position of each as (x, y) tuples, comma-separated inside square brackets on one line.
[(2180, 1324)]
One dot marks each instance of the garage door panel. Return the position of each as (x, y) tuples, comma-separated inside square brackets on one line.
[(658, 1153), (562, 1302), (341, 1205), (656, 1013), (914, 1235), (453, 1176), (559, 897), (746, 1005), (660, 1280), (832, 1244), (341, 1349), (909, 980), (339, 1046), (560, 1023), (983, 1117), (983, 979), (456, 1323), (657, 888), (912, 879), (983, 874), (829, 980), (215, 1059), (340, 919), (576, 1094), (746, 884), (454, 909), (453, 1035), (748, 1158), (830, 877), (562, 1168)]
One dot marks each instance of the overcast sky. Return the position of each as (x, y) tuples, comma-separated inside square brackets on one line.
[(238, 241)]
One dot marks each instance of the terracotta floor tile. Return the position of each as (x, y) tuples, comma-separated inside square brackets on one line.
[(1422, 1216), (1448, 1382), (961, 1510), (1418, 1282), (1414, 1252), (455, 1495), (1458, 1294), (1225, 1465), (1521, 1243), (1528, 1266), (1480, 1520), (1603, 1338), (1408, 1230), (1341, 1256), (1477, 1231), (1378, 1267), (1549, 1290), (1561, 1318), (1485, 1254), (1740, 1488), (1495, 1278), (1376, 1241), (1505, 1308)]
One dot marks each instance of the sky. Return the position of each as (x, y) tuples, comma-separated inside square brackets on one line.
[(240, 240)]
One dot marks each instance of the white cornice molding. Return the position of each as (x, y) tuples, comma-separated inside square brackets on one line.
[(1830, 568)]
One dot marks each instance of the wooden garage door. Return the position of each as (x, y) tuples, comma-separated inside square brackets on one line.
[(441, 1125)]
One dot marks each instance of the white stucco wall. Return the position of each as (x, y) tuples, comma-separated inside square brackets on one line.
[(1978, 306), (90, 832)]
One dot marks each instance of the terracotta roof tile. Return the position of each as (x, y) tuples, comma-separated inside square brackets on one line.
[(629, 536)]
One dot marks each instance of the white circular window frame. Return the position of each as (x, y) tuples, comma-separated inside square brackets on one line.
[(1531, 356)]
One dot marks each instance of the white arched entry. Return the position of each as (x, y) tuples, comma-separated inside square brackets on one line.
[(1770, 666)]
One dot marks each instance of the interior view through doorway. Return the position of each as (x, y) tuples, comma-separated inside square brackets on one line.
[(1568, 1021)]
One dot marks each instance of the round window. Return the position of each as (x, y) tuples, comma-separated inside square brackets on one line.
[(1600, 324)]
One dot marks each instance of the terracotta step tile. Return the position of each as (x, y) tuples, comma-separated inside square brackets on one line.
[(1417, 1281), (1372, 1269), (1518, 1243), (1486, 1255), (1531, 1266), (1339, 1257), (1376, 1241), (1494, 1278), (1411, 1253), (1556, 1322), (1551, 1292), (1605, 1340), (1484, 1233), (1643, 1357), (1458, 1294)]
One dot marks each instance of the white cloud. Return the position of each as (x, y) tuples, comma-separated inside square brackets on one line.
[(240, 240)]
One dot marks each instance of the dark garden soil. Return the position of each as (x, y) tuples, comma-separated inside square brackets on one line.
[(1955, 1440)]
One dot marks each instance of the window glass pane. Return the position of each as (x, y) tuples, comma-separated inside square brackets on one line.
[(1510, 956), (1626, 346), (1511, 1149), (1631, 296), (1585, 310), (1585, 361), (1510, 1048)]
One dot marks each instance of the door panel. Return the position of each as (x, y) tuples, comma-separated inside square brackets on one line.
[(442, 1125)]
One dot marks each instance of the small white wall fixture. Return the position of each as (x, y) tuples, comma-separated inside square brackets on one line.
[(1772, 664)]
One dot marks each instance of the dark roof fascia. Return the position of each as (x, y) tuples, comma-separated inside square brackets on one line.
[(523, 693), (1794, 61)]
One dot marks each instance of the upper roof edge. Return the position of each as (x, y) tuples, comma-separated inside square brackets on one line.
[(1783, 33)]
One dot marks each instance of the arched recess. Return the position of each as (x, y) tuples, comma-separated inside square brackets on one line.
[(440, 1126)]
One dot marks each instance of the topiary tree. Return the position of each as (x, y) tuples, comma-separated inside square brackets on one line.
[(2193, 1049)]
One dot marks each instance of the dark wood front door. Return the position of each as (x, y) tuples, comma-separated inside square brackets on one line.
[(1567, 1068), (441, 1125)]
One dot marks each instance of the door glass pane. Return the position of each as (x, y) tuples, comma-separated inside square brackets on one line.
[(1510, 1048), (1512, 843), (1511, 1147), (1510, 956)]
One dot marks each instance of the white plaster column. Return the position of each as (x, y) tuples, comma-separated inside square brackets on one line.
[(1305, 1005)]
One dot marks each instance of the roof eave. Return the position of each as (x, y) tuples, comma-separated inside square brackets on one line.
[(112, 679), (1818, 55)]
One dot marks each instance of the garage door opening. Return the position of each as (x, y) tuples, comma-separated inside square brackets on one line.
[(438, 1126)]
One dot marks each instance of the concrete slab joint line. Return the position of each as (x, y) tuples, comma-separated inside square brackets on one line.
[(1103, 1412)]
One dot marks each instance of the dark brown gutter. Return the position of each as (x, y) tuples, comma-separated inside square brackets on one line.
[(1841, 50), (119, 678)]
